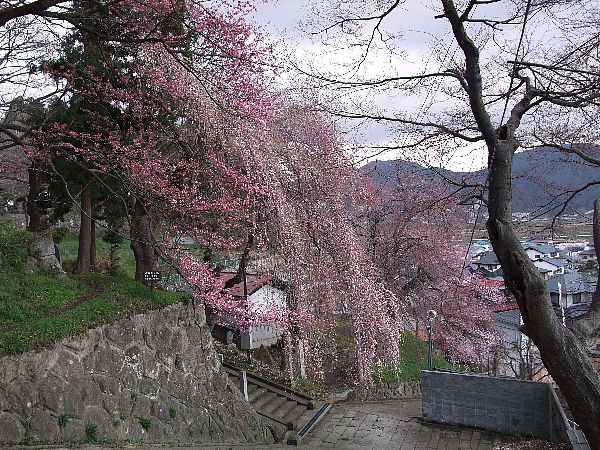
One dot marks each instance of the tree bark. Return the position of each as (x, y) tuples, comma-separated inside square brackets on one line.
[(93, 261), (562, 353), (83, 263), (241, 272), (33, 210), (142, 240)]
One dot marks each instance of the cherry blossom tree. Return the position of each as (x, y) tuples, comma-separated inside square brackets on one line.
[(503, 91), (414, 235), (181, 118)]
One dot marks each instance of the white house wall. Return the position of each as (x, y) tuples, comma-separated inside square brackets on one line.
[(265, 298), (534, 254), (546, 265)]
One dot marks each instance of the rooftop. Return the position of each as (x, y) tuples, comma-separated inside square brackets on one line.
[(542, 248), (489, 258), (572, 283), (253, 283)]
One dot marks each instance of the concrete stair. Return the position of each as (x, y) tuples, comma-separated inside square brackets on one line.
[(279, 404)]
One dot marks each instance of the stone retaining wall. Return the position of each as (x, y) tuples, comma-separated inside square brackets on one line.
[(152, 377), (388, 391)]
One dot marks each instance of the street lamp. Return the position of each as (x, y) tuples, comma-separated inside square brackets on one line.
[(431, 314)]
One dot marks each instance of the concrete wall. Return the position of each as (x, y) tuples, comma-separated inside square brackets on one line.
[(152, 377), (504, 405)]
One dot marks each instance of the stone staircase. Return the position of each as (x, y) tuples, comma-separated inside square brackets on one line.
[(281, 405)]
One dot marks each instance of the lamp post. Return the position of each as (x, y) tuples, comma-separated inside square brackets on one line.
[(431, 314)]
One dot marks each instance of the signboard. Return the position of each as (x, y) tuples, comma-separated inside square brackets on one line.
[(152, 276)]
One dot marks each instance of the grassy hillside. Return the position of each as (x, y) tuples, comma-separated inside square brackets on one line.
[(37, 309), (68, 251), (413, 359)]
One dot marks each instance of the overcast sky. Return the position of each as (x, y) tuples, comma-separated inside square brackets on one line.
[(423, 44), (291, 22)]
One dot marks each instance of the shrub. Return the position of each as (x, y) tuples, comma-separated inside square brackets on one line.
[(60, 233), (145, 423), (91, 433), (15, 248)]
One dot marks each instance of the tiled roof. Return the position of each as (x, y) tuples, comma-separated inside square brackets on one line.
[(488, 258), (496, 275), (554, 261), (253, 283), (572, 283), (542, 248)]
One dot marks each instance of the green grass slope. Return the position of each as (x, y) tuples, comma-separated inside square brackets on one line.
[(413, 359), (37, 309)]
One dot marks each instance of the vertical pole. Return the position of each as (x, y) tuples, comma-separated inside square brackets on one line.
[(244, 384), (430, 342), (246, 308)]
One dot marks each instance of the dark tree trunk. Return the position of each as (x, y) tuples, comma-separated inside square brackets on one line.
[(92, 239), (83, 263), (563, 354), (142, 240), (241, 272), (33, 211)]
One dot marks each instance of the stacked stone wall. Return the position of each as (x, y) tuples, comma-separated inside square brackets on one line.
[(151, 377), (388, 391)]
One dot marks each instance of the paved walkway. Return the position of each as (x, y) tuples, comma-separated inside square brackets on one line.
[(392, 424)]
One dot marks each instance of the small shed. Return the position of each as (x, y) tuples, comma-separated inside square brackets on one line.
[(260, 294)]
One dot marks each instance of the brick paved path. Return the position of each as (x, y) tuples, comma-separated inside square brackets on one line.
[(392, 424)]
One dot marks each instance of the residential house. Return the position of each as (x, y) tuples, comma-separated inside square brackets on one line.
[(259, 295), (588, 255), (537, 251), (571, 289), (489, 266), (508, 321), (550, 266), (520, 355), (476, 251), (592, 342), (489, 261)]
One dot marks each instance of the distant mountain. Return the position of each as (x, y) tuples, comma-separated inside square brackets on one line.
[(540, 175)]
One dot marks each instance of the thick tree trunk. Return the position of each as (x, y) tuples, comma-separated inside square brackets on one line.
[(83, 263), (562, 353), (93, 261), (142, 240), (33, 211)]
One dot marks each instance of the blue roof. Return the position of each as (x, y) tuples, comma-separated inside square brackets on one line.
[(572, 283), (489, 258), (542, 248), (558, 262)]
